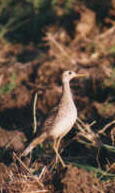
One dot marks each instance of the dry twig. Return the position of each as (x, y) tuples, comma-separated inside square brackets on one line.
[(86, 132), (34, 112), (107, 33), (28, 170), (100, 132)]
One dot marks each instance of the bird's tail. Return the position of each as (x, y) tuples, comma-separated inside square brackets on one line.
[(34, 143)]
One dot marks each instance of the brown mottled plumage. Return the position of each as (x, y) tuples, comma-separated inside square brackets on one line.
[(60, 120)]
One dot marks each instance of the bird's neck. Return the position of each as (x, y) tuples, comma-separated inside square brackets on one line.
[(67, 90)]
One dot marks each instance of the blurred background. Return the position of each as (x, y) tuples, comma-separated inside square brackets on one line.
[(39, 39)]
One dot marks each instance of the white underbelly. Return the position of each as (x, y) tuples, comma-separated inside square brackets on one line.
[(64, 125)]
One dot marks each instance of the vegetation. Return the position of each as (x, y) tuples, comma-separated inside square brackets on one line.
[(39, 39), (8, 87)]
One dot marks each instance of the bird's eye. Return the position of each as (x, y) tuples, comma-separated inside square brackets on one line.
[(70, 72)]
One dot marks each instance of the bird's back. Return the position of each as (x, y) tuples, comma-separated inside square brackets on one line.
[(49, 122)]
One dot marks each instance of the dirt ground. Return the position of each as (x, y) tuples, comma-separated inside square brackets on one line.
[(25, 70)]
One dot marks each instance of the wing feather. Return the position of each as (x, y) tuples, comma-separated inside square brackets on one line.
[(50, 119)]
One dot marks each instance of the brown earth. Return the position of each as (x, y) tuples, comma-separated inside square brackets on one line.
[(88, 51)]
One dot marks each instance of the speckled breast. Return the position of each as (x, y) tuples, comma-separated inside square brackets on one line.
[(64, 121)]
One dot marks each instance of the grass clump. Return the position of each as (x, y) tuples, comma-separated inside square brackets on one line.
[(8, 87)]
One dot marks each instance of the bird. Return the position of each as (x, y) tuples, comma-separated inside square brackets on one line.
[(60, 119)]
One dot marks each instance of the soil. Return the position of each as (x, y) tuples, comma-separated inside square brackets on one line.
[(25, 70)]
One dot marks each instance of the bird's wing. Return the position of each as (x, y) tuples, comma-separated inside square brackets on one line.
[(50, 119)]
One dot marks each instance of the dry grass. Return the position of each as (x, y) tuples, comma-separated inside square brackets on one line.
[(88, 51), (22, 180)]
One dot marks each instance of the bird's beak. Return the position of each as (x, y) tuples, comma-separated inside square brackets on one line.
[(81, 75)]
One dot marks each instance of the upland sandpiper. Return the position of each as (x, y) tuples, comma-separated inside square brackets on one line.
[(60, 120)]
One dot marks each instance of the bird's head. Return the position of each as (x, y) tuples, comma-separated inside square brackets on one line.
[(69, 75)]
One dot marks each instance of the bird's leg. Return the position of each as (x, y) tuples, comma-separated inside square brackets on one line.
[(55, 147), (58, 143)]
